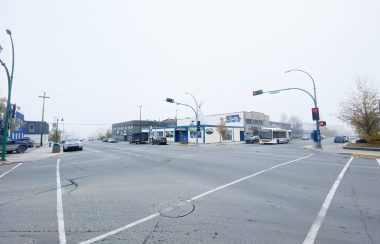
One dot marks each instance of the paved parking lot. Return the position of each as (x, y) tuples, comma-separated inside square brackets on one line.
[(238, 193)]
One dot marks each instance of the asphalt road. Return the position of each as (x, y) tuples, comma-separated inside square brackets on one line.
[(242, 193)]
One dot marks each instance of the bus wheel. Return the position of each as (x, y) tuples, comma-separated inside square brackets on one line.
[(278, 141)]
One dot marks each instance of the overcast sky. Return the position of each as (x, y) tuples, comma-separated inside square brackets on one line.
[(100, 60)]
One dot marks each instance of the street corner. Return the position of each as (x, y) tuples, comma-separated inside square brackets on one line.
[(7, 162)]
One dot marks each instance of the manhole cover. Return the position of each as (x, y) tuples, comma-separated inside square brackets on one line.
[(176, 209)]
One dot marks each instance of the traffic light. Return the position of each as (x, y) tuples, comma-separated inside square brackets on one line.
[(258, 92), (14, 111), (315, 112), (322, 123), (198, 126), (170, 100)]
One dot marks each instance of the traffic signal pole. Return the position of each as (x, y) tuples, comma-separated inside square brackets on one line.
[(6, 112), (319, 144), (259, 92)]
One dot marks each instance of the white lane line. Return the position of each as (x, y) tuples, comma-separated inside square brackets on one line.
[(61, 220), (310, 238), (245, 178), (378, 161), (98, 238), (10, 170)]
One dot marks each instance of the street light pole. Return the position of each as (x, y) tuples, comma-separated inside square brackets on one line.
[(170, 100), (43, 113), (319, 144), (196, 114), (6, 112), (140, 117)]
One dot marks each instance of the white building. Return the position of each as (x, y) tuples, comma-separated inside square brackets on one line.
[(238, 125)]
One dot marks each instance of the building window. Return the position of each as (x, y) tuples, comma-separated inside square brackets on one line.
[(248, 121), (31, 128)]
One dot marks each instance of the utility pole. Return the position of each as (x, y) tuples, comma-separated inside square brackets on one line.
[(43, 113)]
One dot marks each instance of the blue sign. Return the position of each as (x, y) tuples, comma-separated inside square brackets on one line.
[(233, 118)]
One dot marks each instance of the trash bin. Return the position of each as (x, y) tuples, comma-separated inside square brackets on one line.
[(56, 148)]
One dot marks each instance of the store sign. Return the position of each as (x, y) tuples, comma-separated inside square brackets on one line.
[(209, 131), (233, 118)]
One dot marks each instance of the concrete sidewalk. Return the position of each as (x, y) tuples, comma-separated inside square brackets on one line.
[(338, 149), (33, 154)]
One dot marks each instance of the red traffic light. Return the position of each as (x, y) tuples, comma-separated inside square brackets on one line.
[(322, 123), (315, 113)]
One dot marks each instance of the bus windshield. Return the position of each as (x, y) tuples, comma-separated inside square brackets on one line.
[(266, 134)]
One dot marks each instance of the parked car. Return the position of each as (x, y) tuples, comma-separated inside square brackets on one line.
[(340, 139), (111, 140), (72, 144), (139, 138), (305, 137), (14, 145), (28, 141), (104, 140), (159, 141), (252, 139)]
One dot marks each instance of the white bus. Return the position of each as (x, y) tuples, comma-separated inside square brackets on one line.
[(275, 135)]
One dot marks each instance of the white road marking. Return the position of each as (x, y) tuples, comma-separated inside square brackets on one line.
[(245, 178), (310, 238), (378, 161), (98, 238), (61, 219), (10, 170)]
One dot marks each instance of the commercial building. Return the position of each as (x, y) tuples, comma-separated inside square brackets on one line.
[(237, 125), (123, 131), (33, 130)]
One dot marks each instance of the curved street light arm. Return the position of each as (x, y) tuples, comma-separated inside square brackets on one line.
[(187, 105), (195, 100), (294, 88), (300, 70)]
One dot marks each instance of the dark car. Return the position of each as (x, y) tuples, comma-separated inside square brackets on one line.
[(340, 139), (159, 141), (252, 139), (28, 141), (14, 145)]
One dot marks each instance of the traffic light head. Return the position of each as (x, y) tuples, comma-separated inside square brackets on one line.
[(315, 113), (322, 123), (258, 92), (170, 100)]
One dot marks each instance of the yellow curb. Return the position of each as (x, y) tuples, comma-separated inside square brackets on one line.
[(6, 162), (365, 155), (57, 154)]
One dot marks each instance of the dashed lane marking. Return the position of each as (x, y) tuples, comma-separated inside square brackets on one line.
[(310, 238)]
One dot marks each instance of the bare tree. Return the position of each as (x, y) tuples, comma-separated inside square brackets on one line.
[(361, 111), (221, 129), (108, 133), (296, 125)]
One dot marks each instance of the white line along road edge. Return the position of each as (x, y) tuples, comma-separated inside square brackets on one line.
[(310, 238), (378, 161), (61, 220), (1, 176), (98, 238)]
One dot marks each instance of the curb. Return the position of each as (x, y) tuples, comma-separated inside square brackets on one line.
[(365, 155)]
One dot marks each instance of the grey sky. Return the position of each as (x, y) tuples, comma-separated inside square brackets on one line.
[(100, 60)]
